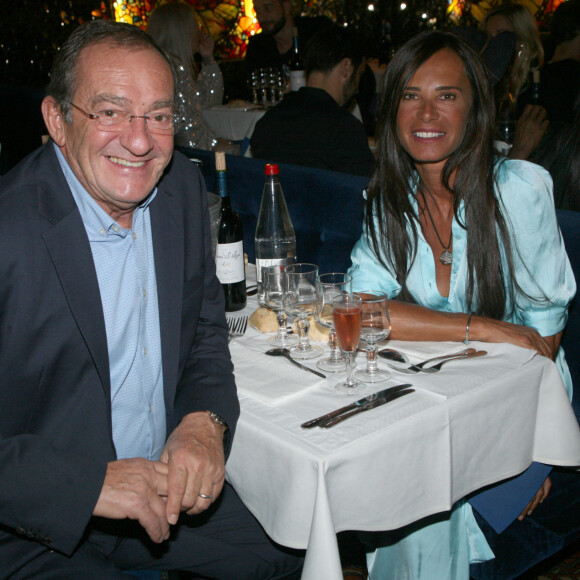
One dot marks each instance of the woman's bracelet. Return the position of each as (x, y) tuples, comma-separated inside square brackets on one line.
[(466, 341)]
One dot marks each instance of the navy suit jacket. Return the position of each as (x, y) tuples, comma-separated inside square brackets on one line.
[(55, 407)]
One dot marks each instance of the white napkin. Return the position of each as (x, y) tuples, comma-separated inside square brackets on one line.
[(268, 378)]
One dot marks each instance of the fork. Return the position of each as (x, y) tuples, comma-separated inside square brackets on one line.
[(468, 353), (237, 327)]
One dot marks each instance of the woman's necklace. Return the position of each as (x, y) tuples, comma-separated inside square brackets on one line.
[(446, 256)]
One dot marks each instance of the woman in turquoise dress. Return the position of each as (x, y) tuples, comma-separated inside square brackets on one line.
[(468, 246)]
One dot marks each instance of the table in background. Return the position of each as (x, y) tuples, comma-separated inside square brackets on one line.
[(474, 423), (234, 124)]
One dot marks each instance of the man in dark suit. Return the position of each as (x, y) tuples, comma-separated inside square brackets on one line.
[(117, 399)]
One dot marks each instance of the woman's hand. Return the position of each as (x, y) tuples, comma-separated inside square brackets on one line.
[(491, 330), (530, 129), (540, 496), (206, 46)]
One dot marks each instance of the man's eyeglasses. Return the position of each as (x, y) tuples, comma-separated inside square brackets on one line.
[(117, 120)]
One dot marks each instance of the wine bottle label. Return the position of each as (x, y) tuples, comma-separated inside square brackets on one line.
[(297, 79), (229, 262)]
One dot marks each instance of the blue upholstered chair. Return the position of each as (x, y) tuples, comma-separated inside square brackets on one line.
[(147, 575), (556, 523), (326, 207)]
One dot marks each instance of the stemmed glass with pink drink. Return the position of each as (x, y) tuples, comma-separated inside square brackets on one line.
[(347, 313)]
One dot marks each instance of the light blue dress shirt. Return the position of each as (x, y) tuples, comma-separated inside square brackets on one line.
[(125, 268), (542, 269)]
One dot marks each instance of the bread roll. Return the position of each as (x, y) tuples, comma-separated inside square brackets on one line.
[(264, 320)]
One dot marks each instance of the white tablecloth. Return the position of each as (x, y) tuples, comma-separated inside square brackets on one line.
[(231, 123), (476, 422)]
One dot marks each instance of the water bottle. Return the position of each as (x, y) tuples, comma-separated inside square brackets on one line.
[(275, 240), (229, 257)]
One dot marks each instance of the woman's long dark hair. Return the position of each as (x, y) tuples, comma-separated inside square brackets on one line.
[(388, 204)]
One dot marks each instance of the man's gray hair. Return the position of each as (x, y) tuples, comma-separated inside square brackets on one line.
[(64, 79)]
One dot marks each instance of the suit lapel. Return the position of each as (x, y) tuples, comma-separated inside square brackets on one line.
[(167, 227), (68, 246)]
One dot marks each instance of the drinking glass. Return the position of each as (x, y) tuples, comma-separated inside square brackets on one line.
[(331, 286), (274, 281), (300, 300), (347, 312), (376, 326)]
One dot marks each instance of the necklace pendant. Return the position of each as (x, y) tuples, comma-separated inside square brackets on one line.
[(446, 258)]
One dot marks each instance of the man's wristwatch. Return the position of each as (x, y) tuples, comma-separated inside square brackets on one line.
[(217, 419)]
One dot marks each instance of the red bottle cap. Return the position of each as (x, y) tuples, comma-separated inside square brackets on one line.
[(271, 169)]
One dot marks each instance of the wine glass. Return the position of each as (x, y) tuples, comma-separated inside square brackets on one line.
[(376, 326), (300, 300), (331, 286), (274, 281), (347, 312)]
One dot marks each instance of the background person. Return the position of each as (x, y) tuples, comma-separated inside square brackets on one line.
[(468, 248), (273, 47), (531, 120), (559, 153), (175, 28), (117, 399), (560, 77), (312, 126)]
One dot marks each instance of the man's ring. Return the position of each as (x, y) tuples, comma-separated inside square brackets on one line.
[(204, 496)]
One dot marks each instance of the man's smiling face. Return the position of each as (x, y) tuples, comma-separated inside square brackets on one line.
[(119, 169)]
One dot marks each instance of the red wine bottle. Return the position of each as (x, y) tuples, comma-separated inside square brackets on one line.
[(229, 258)]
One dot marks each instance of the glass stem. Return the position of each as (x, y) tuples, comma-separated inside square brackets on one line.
[(349, 378), (303, 327), (371, 358), (335, 355), (281, 325)]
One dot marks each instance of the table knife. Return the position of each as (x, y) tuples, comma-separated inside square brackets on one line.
[(357, 404), (367, 407)]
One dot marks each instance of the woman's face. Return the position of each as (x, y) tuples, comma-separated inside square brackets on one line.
[(497, 24), (434, 110)]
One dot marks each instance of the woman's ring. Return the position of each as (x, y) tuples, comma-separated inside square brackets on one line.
[(204, 496)]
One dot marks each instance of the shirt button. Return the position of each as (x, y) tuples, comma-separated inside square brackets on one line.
[(150, 409), (134, 236), (145, 350), (103, 232), (144, 293), (115, 228)]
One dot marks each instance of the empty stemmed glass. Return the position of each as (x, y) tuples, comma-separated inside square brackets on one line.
[(300, 300), (347, 312), (274, 284), (331, 286), (376, 326)]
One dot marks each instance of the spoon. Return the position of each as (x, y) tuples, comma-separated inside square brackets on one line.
[(394, 355), (286, 353)]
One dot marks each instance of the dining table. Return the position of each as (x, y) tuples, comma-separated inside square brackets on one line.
[(234, 123), (473, 423)]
